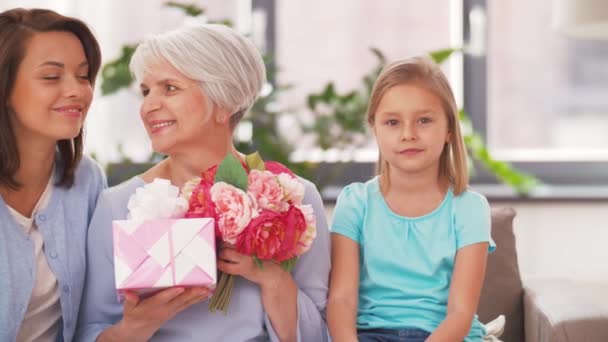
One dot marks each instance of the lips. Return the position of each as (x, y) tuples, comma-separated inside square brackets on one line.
[(159, 125), (73, 111), (410, 151)]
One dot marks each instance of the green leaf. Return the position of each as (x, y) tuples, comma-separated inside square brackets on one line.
[(312, 101), (439, 56), (255, 162), (232, 172), (116, 74), (289, 264), (379, 55), (258, 262), (225, 22), (328, 93), (190, 9)]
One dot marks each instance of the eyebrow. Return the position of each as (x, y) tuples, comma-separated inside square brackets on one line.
[(416, 113), (163, 81), (61, 65)]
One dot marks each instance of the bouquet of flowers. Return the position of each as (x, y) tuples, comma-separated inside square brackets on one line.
[(257, 207)]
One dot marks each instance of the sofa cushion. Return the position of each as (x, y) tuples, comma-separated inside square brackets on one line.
[(502, 292), (560, 310)]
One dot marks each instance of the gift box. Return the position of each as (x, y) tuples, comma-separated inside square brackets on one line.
[(151, 255)]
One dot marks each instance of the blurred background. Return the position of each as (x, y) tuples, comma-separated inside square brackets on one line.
[(533, 92)]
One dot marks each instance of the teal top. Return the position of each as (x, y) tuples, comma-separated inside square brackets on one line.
[(406, 263)]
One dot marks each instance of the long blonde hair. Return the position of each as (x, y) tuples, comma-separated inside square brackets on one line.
[(422, 71)]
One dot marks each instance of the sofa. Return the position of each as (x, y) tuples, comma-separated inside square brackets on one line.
[(539, 310)]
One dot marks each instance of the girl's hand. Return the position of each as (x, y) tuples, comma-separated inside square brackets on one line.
[(143, 317), (232, 262)]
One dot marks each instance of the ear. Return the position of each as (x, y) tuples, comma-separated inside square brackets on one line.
[(221, 115), (448, 137)]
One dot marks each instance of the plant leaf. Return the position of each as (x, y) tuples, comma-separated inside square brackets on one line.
[(289, 264), (519, 181), (225, 22), (258, 262), (232, 172), (439, 56), (116, 74), (379, 55), (255, 162), (189, 9)]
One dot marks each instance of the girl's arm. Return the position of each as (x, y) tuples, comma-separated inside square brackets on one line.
[(343, 289), (465, 290)]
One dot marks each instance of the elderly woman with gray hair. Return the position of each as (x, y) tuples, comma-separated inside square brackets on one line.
[(197, 83)]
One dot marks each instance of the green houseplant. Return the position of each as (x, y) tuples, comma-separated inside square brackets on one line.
[(341, 124)]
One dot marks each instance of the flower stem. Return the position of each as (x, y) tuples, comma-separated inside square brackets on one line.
[(221, 297)]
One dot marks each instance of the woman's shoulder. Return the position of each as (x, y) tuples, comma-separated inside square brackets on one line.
[(122, 192), (112, 202), (89, 171)]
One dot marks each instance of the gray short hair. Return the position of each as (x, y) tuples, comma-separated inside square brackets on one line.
[(228, 65)]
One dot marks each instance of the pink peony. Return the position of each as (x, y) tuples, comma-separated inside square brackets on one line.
[(200, 203), (266, 190), (277, 168), (188, 188), (292, 187), (234, 208), (272, 235), (311, 229)]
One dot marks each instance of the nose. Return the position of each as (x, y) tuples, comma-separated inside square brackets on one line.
[(150, 104), (409, 132), (75, 87)]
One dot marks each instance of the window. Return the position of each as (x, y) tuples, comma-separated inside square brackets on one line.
[(539, 98), (321, 41)]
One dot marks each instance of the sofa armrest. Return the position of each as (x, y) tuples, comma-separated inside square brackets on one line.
[(560, 310)]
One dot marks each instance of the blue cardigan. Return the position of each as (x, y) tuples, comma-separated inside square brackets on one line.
[(63, 225)]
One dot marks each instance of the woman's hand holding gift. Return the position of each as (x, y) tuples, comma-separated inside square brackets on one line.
[(143, 317)]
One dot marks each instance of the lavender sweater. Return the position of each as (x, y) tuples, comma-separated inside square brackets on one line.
[(246, 319)]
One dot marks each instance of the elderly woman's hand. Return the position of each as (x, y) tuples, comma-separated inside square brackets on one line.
[(143, 317), (232, 262)]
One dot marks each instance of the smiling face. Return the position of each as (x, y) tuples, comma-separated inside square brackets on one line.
[(411, 129), (175, 111), (52, 92)]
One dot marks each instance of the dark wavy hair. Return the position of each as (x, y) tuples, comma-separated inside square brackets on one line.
[(17, 26)]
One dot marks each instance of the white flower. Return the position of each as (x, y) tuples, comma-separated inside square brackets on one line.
[(157, 200)]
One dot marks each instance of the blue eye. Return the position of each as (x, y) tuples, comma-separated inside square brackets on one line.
[(171, 88)]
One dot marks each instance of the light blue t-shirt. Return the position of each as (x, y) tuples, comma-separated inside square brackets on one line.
[(406, 264)]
